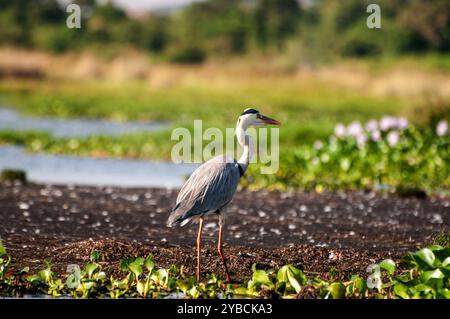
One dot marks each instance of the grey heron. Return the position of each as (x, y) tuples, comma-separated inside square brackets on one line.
[(211, 187)]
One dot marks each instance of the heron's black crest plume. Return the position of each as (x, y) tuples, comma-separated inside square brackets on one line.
[(250, 111)]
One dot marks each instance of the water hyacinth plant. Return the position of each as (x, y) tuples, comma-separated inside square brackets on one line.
[(422, 274), (385, 154), (388, 126)]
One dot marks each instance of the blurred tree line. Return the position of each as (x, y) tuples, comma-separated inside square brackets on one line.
[(234, 27)]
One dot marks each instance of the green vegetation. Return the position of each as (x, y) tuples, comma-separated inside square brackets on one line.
[(385, 155), (297, 104), (323, 29), (442, 239), (307, 112), (13, 175), (138, 145), (423, 274)]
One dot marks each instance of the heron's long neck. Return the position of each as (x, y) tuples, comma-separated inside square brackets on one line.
[(246, 142)]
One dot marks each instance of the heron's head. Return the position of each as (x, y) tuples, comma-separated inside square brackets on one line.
[(252, 117)]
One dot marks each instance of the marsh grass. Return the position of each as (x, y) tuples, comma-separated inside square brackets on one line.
[(308, 111)]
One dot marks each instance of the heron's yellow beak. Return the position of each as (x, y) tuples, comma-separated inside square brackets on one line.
[(268, 120)]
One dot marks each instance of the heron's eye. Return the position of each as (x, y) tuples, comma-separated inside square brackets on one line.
[(258, 116)]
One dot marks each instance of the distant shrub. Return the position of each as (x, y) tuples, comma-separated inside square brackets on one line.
[(55, 40), (11, 175), (360, 42), (188, 56)]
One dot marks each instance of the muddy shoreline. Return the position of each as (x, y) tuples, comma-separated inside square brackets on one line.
[(319, 232)]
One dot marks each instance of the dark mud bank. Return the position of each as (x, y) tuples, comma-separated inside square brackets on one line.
[(346, 231)]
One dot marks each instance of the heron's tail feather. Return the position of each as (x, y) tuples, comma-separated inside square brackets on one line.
[(177, 222), (177, 217), (180, 216)]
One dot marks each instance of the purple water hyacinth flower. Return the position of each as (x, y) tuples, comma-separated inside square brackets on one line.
[(361, 140), (376, 136), (355, 129), (372, 125), (387, 122), (392, 122), (318, 145), (393, 137), (402, 123), (339, 130), (442, 128)]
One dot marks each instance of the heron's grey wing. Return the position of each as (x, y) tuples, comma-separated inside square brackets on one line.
[(209, 188)]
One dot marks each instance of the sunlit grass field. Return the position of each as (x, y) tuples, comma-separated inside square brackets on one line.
[(308, 112)]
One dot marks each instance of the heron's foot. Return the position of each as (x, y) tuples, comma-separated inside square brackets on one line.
[(225, 283), (228, 280)]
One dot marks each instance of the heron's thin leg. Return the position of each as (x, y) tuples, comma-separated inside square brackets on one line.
[(219, 247), (199, 250)]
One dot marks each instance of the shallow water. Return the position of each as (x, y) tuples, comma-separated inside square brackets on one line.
[(12, 120), (73, 170)]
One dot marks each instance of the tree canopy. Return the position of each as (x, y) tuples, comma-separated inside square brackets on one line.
[(234, 27)]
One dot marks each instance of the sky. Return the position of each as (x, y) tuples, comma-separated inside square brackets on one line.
[(149, 5)]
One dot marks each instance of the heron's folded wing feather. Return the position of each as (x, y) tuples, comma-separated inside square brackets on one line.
[(209, 188)]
